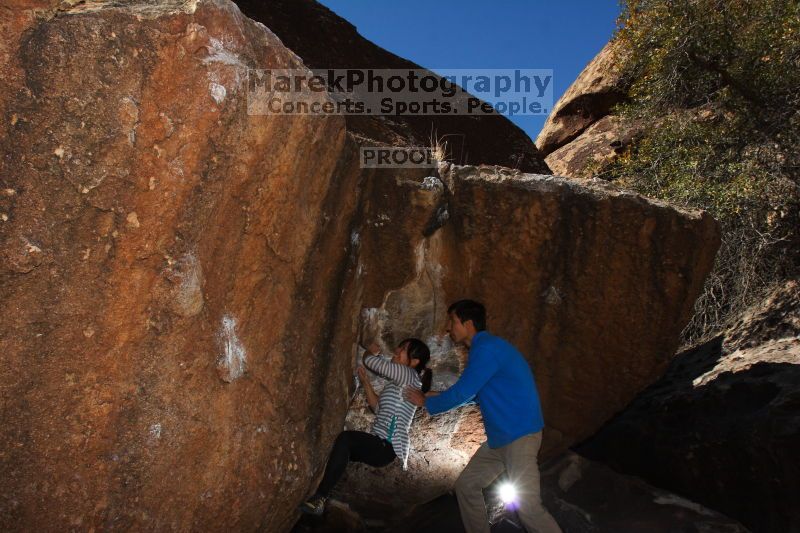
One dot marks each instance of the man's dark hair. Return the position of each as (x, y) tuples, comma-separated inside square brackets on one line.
[(469, 310)]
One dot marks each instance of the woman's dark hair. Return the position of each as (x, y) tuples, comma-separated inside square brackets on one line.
[(469, 310), (416, 349)]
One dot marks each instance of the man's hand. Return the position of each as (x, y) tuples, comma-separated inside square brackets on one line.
[(414, 396), (374, 348)]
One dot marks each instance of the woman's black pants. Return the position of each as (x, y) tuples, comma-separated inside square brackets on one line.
[(354, 446)]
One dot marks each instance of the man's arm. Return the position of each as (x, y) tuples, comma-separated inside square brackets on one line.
[(480, 368), (417, 397)]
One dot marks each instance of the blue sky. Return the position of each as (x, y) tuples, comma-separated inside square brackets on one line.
[(482, 34)]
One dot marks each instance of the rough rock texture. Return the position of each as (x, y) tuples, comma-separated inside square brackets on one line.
[(183, 282), (592, 150), (324, 40), (583, 497), (552, 258), (723, 425), (161, 287), (580, 137), (591, 96)]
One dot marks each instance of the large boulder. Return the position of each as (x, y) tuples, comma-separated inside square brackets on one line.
[(164, 302), (582, 135), (722, 426), (593, 94), (600, 144), (567, 268)]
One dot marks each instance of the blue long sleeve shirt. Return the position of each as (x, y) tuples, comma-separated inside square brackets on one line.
[(502, 383)]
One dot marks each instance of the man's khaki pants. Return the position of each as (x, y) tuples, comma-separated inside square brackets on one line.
[(519, 459)]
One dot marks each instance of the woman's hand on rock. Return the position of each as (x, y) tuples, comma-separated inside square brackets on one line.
[(362, 374)]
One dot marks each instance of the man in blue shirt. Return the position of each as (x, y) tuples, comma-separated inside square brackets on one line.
[(499, 379)]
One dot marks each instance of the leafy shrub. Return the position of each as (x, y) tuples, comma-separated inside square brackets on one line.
[(719, 84)]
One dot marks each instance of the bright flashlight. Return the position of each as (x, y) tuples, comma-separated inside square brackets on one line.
[(508, 493)]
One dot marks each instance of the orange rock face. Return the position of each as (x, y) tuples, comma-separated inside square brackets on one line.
[(182, 281), (162, 339), (598, 145), (591, 96), (582, 135)]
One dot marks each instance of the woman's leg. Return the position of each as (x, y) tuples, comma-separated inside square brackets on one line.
[(337, 462), (354, 446), (371, 449)]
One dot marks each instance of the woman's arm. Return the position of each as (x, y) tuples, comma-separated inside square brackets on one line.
[(372, 398), (392, 371)]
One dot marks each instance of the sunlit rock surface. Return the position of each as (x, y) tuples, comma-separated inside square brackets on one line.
[(592, 95), (164, 313)]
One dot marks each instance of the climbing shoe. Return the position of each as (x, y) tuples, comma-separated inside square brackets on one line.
[(314, 505)]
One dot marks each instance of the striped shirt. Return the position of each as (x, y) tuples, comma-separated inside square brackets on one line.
[(394, 414)]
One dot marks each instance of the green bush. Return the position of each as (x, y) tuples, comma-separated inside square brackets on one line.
[(718, 83)]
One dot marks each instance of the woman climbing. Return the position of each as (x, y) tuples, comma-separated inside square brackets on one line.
[(388, 437)]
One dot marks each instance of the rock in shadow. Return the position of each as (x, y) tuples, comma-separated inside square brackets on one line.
[(722, 426)]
